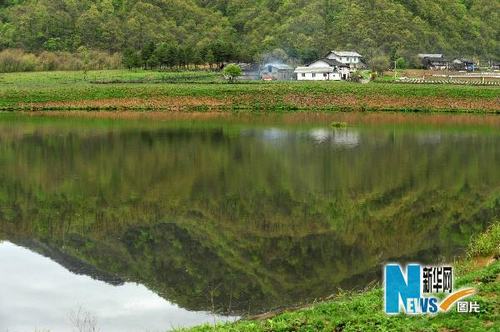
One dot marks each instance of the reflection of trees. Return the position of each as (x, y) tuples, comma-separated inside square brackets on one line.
[(208, 217)]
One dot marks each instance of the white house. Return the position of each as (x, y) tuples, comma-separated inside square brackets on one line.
[(323, 70), (350, 58)]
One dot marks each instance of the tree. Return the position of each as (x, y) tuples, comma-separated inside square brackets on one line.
[(232, 72), (161, 54), (131, 58), (379, 64), (85, 56), (208, 56), (172, 58), (401, 63), (147, 52), (244, 30), (153, 61)]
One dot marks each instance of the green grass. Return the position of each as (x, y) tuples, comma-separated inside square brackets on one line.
[(487, 243), (364, 311), (23, 91), (57, 78)]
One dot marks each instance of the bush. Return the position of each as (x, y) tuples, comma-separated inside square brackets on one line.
[(487, 243), (379, 64), (16, 60), (232, 72)]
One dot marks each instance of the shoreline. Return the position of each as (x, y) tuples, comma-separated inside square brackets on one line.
[(362, 310), (273, 118)]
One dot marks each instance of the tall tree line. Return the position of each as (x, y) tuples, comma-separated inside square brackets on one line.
[(182, 32)]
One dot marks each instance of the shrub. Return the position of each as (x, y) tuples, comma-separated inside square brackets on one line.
[(379, 64), (232, 72), (487, 243), (16, 60)]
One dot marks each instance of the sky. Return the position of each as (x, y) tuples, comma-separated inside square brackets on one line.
[(37, 294)]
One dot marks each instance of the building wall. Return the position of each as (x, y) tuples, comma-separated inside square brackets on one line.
[(345, 73), (318, 77), (345, 60)]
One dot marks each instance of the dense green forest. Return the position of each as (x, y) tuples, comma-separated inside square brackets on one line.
[(180, 32)]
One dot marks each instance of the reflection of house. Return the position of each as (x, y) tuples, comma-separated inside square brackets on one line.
[(276, 71), (464, 64), (323, 70), (434, 61), (340, 138), (350, 58)]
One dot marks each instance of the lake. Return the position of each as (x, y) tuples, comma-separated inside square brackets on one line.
[(158, 222)]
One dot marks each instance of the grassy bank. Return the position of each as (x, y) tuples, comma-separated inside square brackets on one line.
[(202, 91), (363, 311)]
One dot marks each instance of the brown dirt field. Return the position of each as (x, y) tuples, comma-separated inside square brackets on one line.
[(129, 103), (385, 102), (296, 100)]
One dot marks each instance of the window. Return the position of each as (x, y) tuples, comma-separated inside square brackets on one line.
[(325, 75), (314, 75), (303, 74)]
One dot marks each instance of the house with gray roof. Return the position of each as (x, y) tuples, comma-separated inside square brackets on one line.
[(349, 58)]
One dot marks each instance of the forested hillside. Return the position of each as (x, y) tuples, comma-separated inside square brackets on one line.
[(212, 30)]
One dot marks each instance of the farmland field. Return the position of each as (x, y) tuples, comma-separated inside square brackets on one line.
[(120, 90)]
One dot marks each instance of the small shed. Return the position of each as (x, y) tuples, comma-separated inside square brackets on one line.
[(464, 64), (249, 71), (276, 72), (434, 61)]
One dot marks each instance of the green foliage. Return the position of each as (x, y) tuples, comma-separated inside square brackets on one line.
[(131, 58), (232, 72), (379, 64), (362, 311), (223, 31), (17, 60), (401, 63), (487, 243), (352, 312)]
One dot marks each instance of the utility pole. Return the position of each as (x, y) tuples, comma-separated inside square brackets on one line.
[(395, 69)]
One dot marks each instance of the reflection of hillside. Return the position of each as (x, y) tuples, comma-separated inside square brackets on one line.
[(71, 263), (209, 218)]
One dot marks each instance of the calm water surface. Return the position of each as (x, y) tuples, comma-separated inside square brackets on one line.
[(148, 225)]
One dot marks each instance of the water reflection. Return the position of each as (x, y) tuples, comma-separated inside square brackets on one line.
[(39, 294), (339, 137), (240, 218)]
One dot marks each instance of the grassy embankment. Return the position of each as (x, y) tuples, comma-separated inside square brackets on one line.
[(201, 91), (363, 311)]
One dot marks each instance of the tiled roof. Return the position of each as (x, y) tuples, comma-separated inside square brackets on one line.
[(346, 53)]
